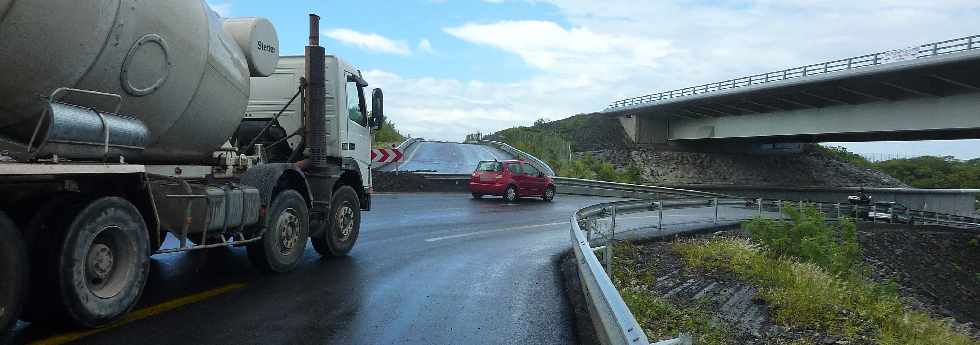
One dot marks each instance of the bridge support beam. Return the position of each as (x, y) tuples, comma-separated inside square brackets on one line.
[(645, 130), (952, 117)]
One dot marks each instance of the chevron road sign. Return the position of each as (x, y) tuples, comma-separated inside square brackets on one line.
[(384, 155)]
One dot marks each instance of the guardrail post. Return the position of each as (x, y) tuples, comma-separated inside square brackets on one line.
[(715, 201), (801, 206), (969, 43), (874, 213), (838, 210), (779, 208), (608, 255), (759, 201), (660, 215), (935, 48), (891, 214)]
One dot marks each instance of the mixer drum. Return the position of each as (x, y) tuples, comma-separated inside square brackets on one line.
[(177, 70)]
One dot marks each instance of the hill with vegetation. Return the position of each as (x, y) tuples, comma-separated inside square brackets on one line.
[(387, 135), (594, 146)]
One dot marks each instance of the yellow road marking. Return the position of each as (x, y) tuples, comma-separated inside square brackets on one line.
[(141, 314)]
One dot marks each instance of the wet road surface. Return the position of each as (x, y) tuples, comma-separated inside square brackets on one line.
[(427, 269), (446, 158)]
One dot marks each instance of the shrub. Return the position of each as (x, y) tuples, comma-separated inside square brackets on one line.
[(806, 235)]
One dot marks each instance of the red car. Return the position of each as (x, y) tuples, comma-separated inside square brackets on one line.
[(511, 179)]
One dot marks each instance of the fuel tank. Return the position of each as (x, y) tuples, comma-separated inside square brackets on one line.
[(181, 69)]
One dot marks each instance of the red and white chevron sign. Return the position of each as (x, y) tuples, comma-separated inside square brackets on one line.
[(383, 155)]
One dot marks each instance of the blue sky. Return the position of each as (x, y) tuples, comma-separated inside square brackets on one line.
[(451, 67)]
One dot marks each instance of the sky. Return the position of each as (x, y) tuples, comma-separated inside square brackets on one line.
[(452, 67)]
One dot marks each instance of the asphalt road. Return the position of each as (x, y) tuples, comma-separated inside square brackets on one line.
[(427, 269), (445, 158)]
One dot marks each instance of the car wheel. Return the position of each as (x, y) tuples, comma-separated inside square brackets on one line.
[(477, 195), (344, 225), (103, 262), (287, 226), (549, 194), (511, 194)]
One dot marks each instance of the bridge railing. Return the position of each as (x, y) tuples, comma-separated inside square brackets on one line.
[(916, 52)]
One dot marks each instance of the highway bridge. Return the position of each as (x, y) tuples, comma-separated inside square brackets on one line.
[(924, 92)]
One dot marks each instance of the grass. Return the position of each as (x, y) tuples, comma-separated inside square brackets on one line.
[(807, 295), (659, 318)]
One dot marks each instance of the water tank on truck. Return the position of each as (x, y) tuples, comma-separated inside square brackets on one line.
[(181, 71)]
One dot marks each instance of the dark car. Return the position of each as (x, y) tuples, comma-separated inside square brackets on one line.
[(511, 179)]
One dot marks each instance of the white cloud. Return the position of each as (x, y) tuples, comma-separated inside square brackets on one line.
[(369, 41), (222, 8), (425, 46), (620, 48), (549, 47)]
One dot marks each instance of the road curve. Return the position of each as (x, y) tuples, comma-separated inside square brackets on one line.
[(445, 158), (427, 269)]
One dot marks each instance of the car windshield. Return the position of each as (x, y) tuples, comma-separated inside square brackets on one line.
[(489, 166)]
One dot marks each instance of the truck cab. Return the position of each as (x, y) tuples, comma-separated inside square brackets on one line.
[(346, 109)]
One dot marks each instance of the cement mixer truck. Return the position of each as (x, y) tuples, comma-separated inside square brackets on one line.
[(126, 125)]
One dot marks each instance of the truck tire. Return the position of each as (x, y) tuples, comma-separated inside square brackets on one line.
[(287, 226), (103, 264), (344, 225), (13, 273)]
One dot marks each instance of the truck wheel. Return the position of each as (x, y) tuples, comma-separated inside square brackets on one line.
[(287, 225), (510, 195), (344, 226), (103, 262), (13, 272)]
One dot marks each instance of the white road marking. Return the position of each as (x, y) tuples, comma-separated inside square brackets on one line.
[(477, 233)]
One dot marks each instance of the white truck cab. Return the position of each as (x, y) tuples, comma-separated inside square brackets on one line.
[(345, 101)]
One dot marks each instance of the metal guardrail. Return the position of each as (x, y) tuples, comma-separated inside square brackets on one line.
[(911, 53), (614, 322), (568, 185), (537, 163), (403, 147)]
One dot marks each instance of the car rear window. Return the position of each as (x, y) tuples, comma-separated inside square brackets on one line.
[(489, 166)]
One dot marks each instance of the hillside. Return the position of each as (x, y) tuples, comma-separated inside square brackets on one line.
[(601, 150)]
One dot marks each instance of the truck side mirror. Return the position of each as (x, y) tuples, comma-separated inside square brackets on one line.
[(377, 109)]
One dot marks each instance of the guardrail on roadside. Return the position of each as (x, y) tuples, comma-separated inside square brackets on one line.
[(611, 317), (403, 147), (568, 185), (537, 163)]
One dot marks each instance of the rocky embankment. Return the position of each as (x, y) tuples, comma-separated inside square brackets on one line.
[(810, 168)]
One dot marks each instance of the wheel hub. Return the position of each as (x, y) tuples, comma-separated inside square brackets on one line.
[(109, 262), (288, 227), (100, 261), (345, 217)]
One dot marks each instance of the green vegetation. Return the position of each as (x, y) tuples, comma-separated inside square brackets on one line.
[(549, 145), (919, 172), (659, 318), (806, 236), (387, 135), (811, 279)]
